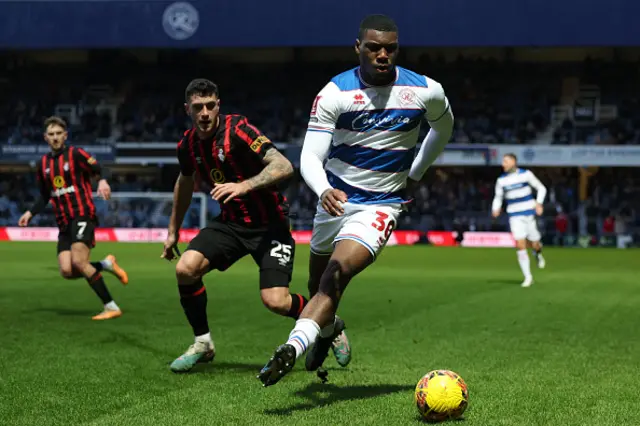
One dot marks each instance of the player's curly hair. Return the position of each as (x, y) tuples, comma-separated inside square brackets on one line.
[(201, 87), (378, 23)]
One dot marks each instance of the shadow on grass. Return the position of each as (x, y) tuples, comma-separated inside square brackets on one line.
[(68, 312), (229, 366), (322, 395), (206, 368), (419, 419), (515, 283)]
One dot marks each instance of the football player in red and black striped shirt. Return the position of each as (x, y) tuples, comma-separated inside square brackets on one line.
[(243, 167), (64, 178)]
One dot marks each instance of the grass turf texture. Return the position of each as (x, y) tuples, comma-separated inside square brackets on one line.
[(564, 352)]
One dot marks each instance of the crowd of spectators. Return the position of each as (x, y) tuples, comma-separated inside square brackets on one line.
[(448, 198), (494, 102)]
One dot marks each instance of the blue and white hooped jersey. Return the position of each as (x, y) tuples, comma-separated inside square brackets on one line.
[(515, 189), (375, 131)]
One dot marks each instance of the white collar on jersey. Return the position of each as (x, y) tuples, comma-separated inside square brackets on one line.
[(386, 85)]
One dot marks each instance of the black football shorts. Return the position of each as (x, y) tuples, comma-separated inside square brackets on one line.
[(272, 249), (79, 230)]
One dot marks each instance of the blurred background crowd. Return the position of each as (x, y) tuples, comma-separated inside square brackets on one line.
[(116, 96)]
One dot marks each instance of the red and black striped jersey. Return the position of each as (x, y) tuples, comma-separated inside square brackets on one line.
[(64, 178), (234, 154)]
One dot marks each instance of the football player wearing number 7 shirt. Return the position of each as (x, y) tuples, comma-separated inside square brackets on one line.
[(357, 155)]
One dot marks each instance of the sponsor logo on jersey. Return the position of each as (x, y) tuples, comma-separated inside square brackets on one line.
[(368, 120), (358, 99), (257, 143), (221, 154), (58, 181), (62, 191), (91, 160), (217, 176), (66, 167)]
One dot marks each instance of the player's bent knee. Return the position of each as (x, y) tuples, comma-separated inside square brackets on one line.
[(190, 268), (67, 272), (276, 299), (79, 264)]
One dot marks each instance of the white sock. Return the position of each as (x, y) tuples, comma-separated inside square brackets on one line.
[(328, 330), (106, 264), (112, 306), (205, 338), (525, 265), (303, 335)]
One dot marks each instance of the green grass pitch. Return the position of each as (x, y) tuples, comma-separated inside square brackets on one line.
[(563, 352)]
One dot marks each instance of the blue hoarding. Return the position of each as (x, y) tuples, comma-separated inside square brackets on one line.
[(28, 153), (253, 23)]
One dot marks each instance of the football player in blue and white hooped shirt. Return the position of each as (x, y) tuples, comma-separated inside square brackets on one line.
[(358, 153), (514, 187)]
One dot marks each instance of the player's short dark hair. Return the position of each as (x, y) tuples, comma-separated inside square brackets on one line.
[(54, 120), (378, 23), (512, 155), (201, 87)]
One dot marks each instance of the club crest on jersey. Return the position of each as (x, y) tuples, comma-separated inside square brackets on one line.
[(91, 160), (358, 99), (58, 181), (407, 96), (221, 154)]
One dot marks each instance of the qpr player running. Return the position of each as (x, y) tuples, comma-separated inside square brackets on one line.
[(64, 178), (229, 154), (514, 187), (365, 123)]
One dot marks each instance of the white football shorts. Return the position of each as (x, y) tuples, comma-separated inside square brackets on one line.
[(369, 224), (524, 228)]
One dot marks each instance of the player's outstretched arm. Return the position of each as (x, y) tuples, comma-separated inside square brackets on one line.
[(182, 195)]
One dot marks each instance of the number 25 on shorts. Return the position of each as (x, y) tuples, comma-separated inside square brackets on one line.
[(381, 225)]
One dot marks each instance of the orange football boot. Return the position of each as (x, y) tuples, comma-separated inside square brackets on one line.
[(107, 314), (117, 270)]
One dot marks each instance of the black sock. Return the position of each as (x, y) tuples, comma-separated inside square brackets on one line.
[(97, 284), (97, 265), (193, 299), (298, 302)]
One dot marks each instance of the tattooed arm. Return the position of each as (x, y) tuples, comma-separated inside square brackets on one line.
[(277, 169)]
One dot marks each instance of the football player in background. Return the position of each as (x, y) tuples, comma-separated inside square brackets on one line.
[(64, 178), (514, 187)]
